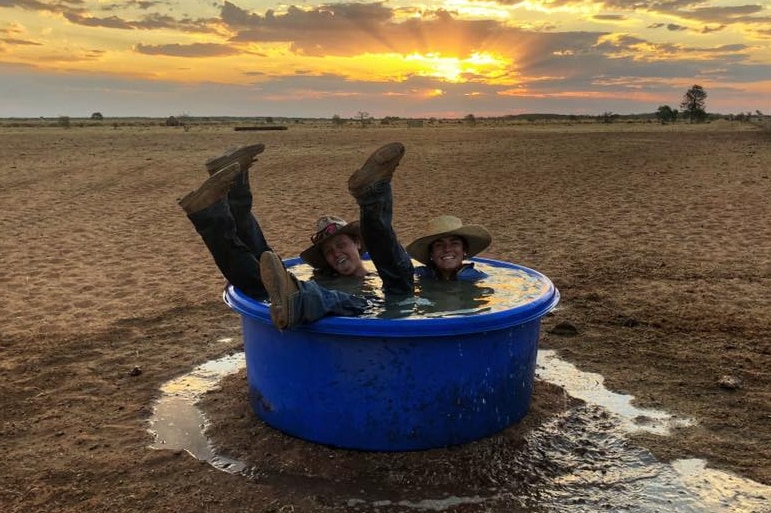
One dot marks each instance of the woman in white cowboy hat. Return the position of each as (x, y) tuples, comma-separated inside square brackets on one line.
[(446, 245)]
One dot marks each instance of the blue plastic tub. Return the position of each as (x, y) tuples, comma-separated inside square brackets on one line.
[(394, 384)]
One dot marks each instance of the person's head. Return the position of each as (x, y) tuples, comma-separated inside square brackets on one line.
[(336, 247), (446, 243)]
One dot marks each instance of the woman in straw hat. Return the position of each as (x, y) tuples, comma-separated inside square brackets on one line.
[(445, 246)]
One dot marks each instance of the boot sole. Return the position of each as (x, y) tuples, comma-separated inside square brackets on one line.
[(214, 188), (379, 167), (215, 164), (274, 279)]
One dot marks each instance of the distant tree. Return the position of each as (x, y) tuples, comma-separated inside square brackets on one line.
[(64, 122), (607, 117), (364, 118), (97, 116), (666, 114), (470, 120), (694, 104), (337, 120), (172, 121), (269, 119)]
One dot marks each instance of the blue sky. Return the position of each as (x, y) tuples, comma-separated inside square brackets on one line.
[(432, 59)]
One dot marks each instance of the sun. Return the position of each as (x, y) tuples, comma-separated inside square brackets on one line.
[(479, 65)]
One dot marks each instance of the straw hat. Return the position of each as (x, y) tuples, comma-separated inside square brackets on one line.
[(326, 228), (476, 236)]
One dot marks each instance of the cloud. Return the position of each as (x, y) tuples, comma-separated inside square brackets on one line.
[(113, 22), (191, 50), (609, 17), (153, 21), (10, 35), (139, 4), (20, 42), (29, 5), (707, 29), (329, 30)]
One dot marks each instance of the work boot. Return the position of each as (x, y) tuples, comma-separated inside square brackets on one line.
[(281, 287), (212, 190), (378, 168), (244, 155)]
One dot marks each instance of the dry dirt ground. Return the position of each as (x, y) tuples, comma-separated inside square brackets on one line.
[(658, 238)]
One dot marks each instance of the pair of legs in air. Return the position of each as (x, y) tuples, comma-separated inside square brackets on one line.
[(221, 211)]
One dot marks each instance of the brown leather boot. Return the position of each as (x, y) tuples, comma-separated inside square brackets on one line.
[(281, 286), (378, 168), (244, 155), (212, 190)]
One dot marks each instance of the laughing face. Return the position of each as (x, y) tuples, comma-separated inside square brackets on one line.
[(447, 255), (342, 254)]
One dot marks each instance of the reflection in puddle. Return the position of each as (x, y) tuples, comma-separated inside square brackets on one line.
[(580, 461), (588, 387), (177, 422)]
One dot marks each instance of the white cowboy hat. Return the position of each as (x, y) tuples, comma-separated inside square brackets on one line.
[(476, 236), (326, 228)]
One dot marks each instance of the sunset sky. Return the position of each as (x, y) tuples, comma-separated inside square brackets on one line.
[(443, 58)]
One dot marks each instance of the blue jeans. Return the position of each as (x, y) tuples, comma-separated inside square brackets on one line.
[(235, 240), (393, 264)]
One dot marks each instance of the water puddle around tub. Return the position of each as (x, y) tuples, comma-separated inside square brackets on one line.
[(178, 424), (578, 462)]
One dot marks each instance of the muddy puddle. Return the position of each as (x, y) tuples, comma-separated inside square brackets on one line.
[(580, 461)]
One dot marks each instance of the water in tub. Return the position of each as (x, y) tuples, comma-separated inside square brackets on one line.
[(503, 289)]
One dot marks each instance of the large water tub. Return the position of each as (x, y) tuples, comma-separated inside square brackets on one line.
[(395, 384)]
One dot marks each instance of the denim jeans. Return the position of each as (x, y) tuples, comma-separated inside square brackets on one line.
[(393, 264), (235, 240)]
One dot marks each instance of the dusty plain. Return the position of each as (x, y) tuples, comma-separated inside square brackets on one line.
[(658, 238)]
